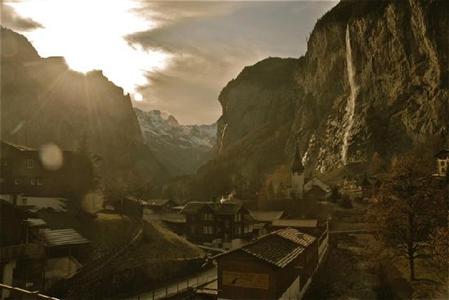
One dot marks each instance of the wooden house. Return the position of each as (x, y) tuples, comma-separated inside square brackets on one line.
[(22, 171), (208, 221), (278, 265), (131, 207), (21, 261)]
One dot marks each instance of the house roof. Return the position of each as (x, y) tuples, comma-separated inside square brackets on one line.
[(62, 237), (158, 202), (278, 248), (193, 207), (266, 216), (318, 183), (226, 208), (218, 208), (34, 222), (296, 223), (442, 154), (134, 199), (18, 147)]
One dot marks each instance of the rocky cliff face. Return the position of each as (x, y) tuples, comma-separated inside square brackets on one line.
[(374, 79), (43, 101), (180, 148)]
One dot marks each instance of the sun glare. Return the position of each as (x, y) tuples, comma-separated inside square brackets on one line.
[(90, 35), (138, 97)]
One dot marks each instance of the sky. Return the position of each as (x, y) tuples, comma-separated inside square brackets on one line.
[(173, 56)]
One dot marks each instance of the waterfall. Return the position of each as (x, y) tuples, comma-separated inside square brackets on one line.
[(350, 106), (220, 144)]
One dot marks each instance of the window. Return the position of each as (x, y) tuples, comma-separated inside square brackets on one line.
[(4, 162), (33, 181), (39, 181), (2, 180), (238, 230), (208, 229), (226, 224), (237, 217), (17, 181), (208, 217), (29, 163)]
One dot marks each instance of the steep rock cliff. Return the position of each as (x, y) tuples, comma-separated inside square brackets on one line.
[(43, 101), (374, 79)]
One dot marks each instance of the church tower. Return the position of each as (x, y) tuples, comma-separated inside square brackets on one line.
[(297, 173)]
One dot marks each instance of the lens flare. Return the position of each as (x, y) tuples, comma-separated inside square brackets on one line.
[(51, 157)]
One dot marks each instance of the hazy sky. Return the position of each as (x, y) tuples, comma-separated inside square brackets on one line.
[(172, 56)]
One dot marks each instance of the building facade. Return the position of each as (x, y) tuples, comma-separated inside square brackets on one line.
[(297, 176), (442, 161), (275, 266), (23, 172), (208, 221)]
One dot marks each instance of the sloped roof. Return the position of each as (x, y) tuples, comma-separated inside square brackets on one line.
[(194, 206), (226, 208), (158, 202), (217, 208), (442, 154), (278, 248), (62, 237), (296, 223), (18, 147), (266, 216), (35, 222)]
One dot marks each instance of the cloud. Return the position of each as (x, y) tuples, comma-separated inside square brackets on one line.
[(210, 42), (10, 19)]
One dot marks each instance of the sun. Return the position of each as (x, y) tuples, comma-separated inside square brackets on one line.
[(91, 34), (138, 97)]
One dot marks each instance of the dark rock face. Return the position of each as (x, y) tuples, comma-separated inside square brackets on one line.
[(374, 79), (182, 149), (43, 101)]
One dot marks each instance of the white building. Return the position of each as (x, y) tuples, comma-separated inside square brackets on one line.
[(442, 158), (297, 175)]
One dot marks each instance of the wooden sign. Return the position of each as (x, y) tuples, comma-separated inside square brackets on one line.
[(246, 280)]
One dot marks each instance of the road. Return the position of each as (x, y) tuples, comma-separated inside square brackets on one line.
[(195, 280)]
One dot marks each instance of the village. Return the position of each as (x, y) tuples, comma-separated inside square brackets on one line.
[(242, 252)]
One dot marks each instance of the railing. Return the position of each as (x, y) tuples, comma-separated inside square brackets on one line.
[(87, 272), (200, 279), (30, 294)]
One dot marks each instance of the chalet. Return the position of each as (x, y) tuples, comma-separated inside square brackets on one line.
[(23, 171), (208, 221), (442, 161), (131, 207), (21, 262), (63, 247), (276, 266), (316, 189)]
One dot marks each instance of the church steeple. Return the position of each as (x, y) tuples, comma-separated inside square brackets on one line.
[(297, 166)]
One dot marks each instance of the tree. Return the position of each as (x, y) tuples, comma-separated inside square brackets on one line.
[(439, 245), (88, 164), (377, 164), (410, 205)]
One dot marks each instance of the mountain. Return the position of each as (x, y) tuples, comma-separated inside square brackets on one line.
[(43, 101), (181, 148), (374, 81)]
